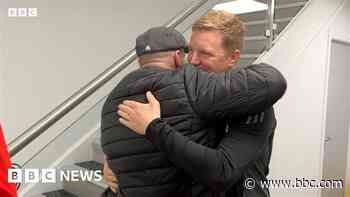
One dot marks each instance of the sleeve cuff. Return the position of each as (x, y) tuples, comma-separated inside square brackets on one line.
[(154, 131), (151, 129)]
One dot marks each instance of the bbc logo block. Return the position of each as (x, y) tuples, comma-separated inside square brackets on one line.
[(14, 175), (31, 176), (22, 12), (51, 175)]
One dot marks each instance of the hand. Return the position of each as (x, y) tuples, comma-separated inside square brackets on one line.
[(109, 177), (137, 116)]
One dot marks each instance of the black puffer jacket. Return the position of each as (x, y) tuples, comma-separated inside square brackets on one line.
[(190, 100)]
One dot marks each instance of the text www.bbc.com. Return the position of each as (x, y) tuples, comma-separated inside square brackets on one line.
[(297, 183)]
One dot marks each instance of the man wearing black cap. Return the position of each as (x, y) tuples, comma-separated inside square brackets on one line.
[(191, 101)]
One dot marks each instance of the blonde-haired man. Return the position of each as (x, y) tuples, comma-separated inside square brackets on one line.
[(216, 41), (244, 149)]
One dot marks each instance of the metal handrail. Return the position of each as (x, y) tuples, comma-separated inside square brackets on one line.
[(270, 25), (61, 110)]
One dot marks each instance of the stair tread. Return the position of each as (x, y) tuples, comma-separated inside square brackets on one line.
[(90, 165), (59, 193), (282, 12)]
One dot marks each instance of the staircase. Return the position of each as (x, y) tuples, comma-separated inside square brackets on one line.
[(255, 40), (254, 45), (83, 188)]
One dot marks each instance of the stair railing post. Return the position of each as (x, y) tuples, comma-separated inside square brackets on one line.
[(271, 26)]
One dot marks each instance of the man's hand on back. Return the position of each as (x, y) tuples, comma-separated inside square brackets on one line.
[(137, 116), (109, 177)]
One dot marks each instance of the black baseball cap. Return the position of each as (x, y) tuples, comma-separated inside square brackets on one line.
[(160, 39)]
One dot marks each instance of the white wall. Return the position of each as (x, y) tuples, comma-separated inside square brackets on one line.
[(45, 59), (302, 53), (1, 88), (1, 73)]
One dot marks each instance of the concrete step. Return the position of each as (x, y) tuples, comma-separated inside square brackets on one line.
[(249, 56), (58, 193), (282, 11), (248, 61), (38, 195), (283, 2), (97, 153), (278, 2), (257, 28), (86, 188), (254, 44)]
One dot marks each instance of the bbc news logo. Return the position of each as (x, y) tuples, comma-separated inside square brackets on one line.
[(22, 12), (52, 175)]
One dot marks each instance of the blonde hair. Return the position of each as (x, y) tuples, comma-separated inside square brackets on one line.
[(227, 23)]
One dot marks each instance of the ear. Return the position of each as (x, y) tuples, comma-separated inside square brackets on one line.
[(235, 56), (177, 59), (139, 61)]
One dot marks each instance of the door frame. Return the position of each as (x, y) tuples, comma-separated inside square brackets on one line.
[(332, 38)]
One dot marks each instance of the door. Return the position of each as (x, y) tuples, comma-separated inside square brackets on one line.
[(337, 118)]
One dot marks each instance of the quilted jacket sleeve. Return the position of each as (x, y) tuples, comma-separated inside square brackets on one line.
[(223, 166), (239, 91)]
